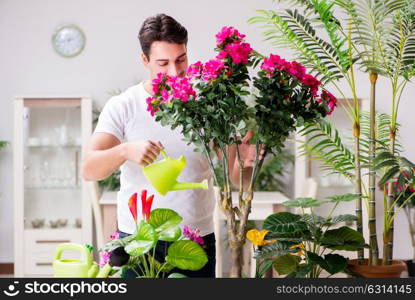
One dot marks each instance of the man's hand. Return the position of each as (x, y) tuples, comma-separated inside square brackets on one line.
[(247, 151), (142, 152)]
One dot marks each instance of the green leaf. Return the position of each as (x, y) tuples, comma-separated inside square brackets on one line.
[(284, 222), (286, 264), (144, 240), (314, 219), (274, 250), (343, 238), (332, 263), (303, 202), (343, 198), (165, 222), (186, 255), (170, 234), (302, 271), (341, 218), (176, 275)]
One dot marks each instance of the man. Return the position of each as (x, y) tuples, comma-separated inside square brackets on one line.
[(128, 137)]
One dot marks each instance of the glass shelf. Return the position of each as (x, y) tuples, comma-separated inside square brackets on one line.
[(75, 187), (54, 146)]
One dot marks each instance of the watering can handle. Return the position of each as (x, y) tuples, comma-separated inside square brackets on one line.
[(73, 247), (163, 153)]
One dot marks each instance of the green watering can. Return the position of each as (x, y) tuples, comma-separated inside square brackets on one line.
[(163, 174), (73, 268)]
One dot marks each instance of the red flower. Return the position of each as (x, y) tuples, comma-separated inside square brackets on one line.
[(146, 204), (132, 204)]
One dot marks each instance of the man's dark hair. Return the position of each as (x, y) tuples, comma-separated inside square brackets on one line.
[(161, 28)]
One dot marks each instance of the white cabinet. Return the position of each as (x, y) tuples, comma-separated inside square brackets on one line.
[(51, 201)]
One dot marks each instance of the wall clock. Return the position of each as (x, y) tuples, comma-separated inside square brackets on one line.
[(68, 40)]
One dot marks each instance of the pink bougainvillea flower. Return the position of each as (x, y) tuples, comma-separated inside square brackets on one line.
[(104, 258), (296, 69), (239, 52), (146, 204), (115, 235), (193, 235), (212, 69), (273, 63), (329, 99), (195, 70), (228, 33)]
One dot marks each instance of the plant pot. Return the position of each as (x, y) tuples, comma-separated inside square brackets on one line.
[(410, 265), (389, 271)]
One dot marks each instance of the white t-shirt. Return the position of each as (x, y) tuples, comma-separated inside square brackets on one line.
[(126, 117)]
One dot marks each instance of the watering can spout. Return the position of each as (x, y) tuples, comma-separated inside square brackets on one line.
[(190, 185)]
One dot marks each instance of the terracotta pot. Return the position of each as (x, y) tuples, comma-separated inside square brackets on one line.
[(389, 271)]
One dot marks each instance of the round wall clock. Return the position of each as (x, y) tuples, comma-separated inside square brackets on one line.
[(68, 40)]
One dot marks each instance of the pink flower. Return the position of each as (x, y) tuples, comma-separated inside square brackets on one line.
[(150, 105), (296, 69), (157, 82), (115, 236), (273, 63), (104, 258), (195, 70), (193, 235), (329, 99), (239, 52), (228, 33), (212, 69)]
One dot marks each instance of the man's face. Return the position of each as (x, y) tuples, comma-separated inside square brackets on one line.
[(167, 58)]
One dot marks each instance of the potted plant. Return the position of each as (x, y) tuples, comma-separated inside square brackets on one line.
[(303, 245), (369, 42), (208, 105), (137, 251)]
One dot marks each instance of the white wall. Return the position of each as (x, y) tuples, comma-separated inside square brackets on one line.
[(29, 65)]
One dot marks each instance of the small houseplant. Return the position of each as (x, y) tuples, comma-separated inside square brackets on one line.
[(303, 245), (137, 251)]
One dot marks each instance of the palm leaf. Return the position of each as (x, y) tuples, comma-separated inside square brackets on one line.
[(325, 145), (291, 29)]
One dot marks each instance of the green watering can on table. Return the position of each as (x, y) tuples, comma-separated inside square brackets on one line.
[(74, 268), (163, 175)]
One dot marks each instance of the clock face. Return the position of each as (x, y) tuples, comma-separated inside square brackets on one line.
[(68, 40)]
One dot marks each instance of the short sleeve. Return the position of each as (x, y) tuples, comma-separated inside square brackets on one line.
[(112, 118)]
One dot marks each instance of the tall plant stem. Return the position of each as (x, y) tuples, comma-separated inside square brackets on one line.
[(374, 250), (356, 135), (358, 189), (389, 213)]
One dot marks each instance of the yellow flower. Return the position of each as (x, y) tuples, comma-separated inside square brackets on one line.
[(256, 237), (300, 247)]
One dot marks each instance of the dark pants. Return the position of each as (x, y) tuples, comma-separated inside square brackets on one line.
[(161, 251)]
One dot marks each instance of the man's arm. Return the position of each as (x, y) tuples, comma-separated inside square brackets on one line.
[(105, 154)]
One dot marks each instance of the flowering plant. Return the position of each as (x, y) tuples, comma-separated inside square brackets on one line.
[(302, 245), (211, 108), (137, 251)]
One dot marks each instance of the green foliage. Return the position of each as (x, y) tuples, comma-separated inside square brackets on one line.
[(297, 243), (3, 144), (112, 182), (186, 255), (161, 226), (394, 167), (325, 145), (303, 202), (270, 175), (289, 28)]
